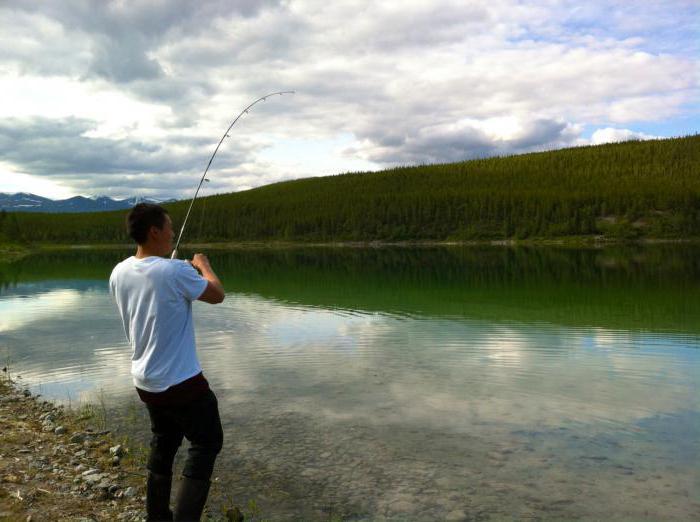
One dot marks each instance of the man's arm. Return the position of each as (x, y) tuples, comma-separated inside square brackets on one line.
[(214, 292)]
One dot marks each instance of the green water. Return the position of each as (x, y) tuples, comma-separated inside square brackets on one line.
[(480, 383)]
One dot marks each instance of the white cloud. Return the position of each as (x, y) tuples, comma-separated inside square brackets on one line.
[(611, 135)]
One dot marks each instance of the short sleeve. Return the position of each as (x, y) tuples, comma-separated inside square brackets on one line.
[(188, 282), (113, 282)]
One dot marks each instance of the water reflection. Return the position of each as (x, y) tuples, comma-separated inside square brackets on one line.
[(414, 385)]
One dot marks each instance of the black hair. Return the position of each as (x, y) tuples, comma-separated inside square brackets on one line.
[(141, 218)]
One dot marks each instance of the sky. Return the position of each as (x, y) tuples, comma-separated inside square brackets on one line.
[(127, 98)]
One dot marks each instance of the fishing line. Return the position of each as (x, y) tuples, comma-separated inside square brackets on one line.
[(226, 135)]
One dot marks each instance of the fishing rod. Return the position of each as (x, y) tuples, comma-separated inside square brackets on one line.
[(226, 135)]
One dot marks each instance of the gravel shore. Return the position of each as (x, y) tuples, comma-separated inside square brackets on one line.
[(55, 464)]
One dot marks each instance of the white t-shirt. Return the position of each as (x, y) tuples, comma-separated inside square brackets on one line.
[(154, 296)]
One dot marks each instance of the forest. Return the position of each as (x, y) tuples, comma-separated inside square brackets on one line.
[(631, 190)]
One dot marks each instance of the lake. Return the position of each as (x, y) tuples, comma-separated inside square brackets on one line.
[(453, 383)]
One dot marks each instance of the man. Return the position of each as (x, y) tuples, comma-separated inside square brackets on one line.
[(154, 296)]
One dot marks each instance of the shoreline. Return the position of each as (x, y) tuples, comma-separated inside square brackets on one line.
[(64, 464), (14, 252)]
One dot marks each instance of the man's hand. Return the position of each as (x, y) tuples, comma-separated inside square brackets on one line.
[(214, 293), (200, 262)]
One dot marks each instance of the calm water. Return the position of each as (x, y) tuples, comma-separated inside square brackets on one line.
[(411, 384)]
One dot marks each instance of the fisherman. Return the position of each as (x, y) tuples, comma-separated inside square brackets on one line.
[(154, 296)]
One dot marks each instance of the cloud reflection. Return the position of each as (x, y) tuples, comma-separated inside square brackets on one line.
[(372, 368)]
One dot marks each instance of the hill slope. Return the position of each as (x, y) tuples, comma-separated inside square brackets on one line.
[(627, 190)]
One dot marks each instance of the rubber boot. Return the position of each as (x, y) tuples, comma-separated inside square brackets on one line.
[(158, 497), (191, 498)]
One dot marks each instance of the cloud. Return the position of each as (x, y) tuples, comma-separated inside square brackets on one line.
[(64, 149), (410, 82), (473, 139), (611, 135)]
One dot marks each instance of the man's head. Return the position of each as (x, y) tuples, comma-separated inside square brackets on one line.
[(151, 227)]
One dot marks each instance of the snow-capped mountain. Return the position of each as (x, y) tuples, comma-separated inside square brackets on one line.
[(24, 202)]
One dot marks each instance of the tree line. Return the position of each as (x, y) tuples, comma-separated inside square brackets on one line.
[(625, 190)]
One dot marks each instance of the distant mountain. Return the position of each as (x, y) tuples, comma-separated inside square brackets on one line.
[(24, 202)]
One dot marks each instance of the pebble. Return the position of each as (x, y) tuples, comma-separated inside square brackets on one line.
[(130, 492), (93, 479), (60, 430), (89, 472), (77, 438), (117, 451), (402, 506), (457, 514)]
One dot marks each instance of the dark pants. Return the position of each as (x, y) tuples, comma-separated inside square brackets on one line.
[(199, 422)]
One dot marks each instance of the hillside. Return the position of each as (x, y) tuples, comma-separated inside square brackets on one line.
[(643, 189)]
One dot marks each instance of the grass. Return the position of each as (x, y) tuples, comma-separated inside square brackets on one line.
[(10, 252)]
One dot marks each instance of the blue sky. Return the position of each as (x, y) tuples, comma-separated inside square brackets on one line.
[(130, 98)]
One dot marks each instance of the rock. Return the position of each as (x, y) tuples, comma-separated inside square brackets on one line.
[(113, 489), (117, 451), (77, 438), (89, 472), (455, 515), (60, 430), (80, 468), (93, 480), (80, 453), (402, 506), (130, 492), (27, 393), (115, 461), (443, 482)]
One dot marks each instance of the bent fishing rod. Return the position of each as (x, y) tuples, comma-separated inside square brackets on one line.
[(226, 135)]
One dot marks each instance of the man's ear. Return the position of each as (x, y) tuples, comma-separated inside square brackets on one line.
[(153, 231)]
